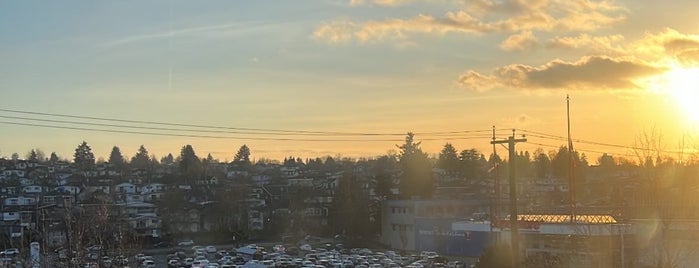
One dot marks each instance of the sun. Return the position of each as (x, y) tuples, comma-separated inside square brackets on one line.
[(682, 84)]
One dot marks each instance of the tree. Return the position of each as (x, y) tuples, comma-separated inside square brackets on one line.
[(416, 179), (83, 158), (36, 155), (448, 160), (116, 158), (15, 156), (31, 156), (54, 158), (169, 159), (542, 164), (243, 155), (190, 165), (141, 160), (472, 163), (350, 213)]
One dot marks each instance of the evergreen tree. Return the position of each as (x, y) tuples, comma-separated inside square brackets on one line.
[(54, 158), (472, 163), (542, 164), (383, 178), (83, 158), (167, 160), (14, 157), (116, 159), (31, 156), (416, 179), (448, 159), (210, 159), (190, 165), (141, 160), (243, 155)]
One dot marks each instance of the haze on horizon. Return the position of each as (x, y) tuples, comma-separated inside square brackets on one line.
[(446, 70)]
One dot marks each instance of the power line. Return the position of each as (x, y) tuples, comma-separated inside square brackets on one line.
[(221, 137), (306, 132), (560, 138), (583, 150)]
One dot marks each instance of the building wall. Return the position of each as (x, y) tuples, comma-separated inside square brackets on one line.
[(438, 235), (402, 221), (398, 224)]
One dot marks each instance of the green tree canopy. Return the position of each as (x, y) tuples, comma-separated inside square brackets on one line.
[(190, 165), (169, 159), (54, 158), (83, 158), (116, 158), (141, 160), (448, 159), (542, 164), (243, 155), (416, 179)]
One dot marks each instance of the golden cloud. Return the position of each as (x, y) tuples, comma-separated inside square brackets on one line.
[(597, 44), (520, 42), (593, 73), (481, 17)]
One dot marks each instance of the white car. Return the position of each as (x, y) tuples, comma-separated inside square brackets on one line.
[(211, 249), (200, 264), (189, 242), (148, 264), (11, 251)]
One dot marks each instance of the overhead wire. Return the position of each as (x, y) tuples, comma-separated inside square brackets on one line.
[(203, 136), (306, 132), (561, 138), (175, 129)]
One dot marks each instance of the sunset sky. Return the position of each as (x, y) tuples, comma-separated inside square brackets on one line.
[(370, 70)]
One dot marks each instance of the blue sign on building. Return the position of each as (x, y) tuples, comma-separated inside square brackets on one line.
[(437, 235)]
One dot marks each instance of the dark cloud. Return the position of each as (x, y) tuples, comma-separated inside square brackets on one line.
[(596, 72)]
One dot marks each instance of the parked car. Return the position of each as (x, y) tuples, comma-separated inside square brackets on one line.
[(148, 264), (162, 244), (188, 242), (11, 251)]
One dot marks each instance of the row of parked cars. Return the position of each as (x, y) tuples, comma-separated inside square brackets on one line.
[(307, 257)]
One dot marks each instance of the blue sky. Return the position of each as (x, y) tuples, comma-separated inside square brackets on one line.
[(372, 66)]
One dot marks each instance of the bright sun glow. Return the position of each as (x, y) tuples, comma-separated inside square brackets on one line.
[(683, 86)]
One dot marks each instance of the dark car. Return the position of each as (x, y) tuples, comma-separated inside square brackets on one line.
[(162, 244)]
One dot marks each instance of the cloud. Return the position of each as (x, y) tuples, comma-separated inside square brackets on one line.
[(335, 32), (597, 44), (653, 47), (590, 73), (481, 17), (379, 2), (683, 48), (520, 42)]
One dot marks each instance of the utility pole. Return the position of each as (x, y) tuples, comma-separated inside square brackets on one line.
[(495, 199), (514, 228), (571, 165)]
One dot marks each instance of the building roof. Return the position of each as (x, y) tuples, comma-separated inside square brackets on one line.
[(565, 218)]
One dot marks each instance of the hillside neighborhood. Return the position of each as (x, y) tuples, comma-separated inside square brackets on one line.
[(125, 206)]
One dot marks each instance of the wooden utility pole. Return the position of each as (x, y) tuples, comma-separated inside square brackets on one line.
[(514, 228), (571, 165)]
